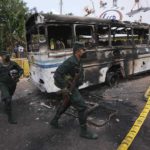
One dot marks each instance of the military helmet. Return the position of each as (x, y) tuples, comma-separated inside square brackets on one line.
[(78, 46)]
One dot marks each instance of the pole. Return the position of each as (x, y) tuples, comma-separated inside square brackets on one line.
[(61, 3)]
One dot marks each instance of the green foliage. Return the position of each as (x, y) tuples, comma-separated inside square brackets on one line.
[(12, 22)]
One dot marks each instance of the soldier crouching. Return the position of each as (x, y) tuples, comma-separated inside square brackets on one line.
[(10, 73), (68, 77)]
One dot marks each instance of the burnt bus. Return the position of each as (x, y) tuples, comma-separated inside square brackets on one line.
[(114, 49)]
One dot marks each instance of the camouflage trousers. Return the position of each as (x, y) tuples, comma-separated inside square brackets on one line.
[(6, 90)]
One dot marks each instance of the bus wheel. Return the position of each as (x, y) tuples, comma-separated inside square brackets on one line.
[(112, 78)]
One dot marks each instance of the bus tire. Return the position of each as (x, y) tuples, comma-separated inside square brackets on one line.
[(112, 79)]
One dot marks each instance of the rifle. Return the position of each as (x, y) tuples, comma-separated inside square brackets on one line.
[(71, 86)]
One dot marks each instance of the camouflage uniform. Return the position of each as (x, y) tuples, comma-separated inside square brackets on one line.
[(69, 68), (8, 85), (66, 70)]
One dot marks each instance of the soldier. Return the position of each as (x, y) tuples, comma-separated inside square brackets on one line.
[(10, 73), (65, 73)]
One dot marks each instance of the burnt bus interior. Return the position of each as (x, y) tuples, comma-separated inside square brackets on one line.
[(58, 35), (33, 39), (121, 36), (84, 33), (102, 35), (142, 35)]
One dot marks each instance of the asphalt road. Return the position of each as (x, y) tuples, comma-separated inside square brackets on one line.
[(33, 131)]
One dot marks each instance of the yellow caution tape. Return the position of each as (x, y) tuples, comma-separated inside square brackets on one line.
[(136, 127)]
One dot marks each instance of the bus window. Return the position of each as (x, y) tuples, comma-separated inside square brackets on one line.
[(37, 38), (142, 36), (42, 38), (121, 36), (35, 42), (129, 36), (85, 34), (102, 34), (59, 36)]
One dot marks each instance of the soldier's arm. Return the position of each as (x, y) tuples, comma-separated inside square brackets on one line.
[(3, 71), (61, 72)]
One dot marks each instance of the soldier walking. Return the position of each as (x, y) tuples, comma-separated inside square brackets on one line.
[(10, 73), (63, 78)]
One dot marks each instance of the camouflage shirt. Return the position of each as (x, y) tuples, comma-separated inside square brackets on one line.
[(5, 76), (69, 67)]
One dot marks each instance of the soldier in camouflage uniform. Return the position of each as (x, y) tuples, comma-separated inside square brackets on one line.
[(10, 73), (65, 71)]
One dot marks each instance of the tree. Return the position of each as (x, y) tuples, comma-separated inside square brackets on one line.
[(12, 31)]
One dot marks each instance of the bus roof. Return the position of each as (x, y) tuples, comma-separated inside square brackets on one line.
[(53, 18), (50, 18)]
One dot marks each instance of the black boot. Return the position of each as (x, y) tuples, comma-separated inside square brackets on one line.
[(54, 122), (87, 134), (8, 110), (60, 110), (11, 120), (83, 127)]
